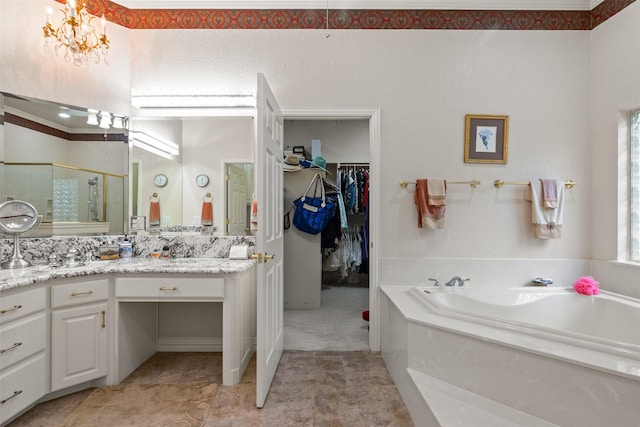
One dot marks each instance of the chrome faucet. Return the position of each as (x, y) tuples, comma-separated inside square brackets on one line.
[(70, 257), (456, 281)]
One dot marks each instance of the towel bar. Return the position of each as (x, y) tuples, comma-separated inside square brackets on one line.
[(498, 183), (473, 183)]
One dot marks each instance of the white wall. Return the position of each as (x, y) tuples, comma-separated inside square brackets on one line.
[(27, 69), (345, 141), (615, 67), (563, 90), (424, 82)]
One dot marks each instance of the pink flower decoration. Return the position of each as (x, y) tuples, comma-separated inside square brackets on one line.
[(587, 285)]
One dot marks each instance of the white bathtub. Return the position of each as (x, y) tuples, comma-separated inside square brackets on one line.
[(516, 356), (607, 322)]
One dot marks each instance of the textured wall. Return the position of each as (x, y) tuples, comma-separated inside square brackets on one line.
[(424, 82)]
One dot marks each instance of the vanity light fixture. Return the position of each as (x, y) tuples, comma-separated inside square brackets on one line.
[(77, 34), (193, 105), (154, 144)]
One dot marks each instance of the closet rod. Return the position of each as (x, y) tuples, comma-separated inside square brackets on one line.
[(473, 183), (499, 183), (352, 164)]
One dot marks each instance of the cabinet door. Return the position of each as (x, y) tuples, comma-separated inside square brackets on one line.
[(78, 345)]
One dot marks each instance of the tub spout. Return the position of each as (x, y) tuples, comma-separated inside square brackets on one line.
[(456, 281)]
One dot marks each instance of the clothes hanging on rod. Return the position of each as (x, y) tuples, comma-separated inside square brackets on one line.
[(346, 247), (354, 185)]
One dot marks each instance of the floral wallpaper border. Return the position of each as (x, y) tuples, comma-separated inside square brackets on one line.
[(248, 19)]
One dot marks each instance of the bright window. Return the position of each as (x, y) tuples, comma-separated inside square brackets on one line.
[(634, 185)]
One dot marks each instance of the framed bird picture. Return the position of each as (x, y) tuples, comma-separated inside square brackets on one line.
[(486, 139)]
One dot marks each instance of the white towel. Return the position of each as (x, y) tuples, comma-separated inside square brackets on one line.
[(547, 222)]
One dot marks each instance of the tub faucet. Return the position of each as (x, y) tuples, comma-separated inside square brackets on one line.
[(456, 281)]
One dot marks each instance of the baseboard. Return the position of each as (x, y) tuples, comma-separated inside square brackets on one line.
[(180, 344)]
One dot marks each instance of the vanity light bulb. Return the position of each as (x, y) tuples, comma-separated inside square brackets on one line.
[(117, 122), (105, 120), (92, 119)]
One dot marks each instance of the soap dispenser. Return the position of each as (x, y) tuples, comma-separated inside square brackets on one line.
[(126, 249)]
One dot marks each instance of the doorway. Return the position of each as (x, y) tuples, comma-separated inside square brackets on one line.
[(343, 298)]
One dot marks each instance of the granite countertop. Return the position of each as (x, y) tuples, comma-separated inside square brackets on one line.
[(10, 279)]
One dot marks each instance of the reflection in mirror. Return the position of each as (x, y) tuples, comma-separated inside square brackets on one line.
[(239, 195), (149, 165), (70, 163)]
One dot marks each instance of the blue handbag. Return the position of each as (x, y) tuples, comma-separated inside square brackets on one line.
[(312, 212)]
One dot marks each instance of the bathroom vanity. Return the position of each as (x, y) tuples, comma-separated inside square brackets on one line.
[(69, 328)]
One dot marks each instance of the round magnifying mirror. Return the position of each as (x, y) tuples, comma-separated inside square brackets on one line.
[(17, 218)]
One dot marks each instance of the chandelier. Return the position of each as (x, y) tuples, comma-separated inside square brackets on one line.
[(77, 34)]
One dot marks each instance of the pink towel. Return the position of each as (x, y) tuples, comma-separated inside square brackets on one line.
[(430, 206), (549, 193)]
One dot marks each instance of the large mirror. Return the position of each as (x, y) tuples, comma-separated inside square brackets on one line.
[(86, 180), (71, 163), (215, 163)]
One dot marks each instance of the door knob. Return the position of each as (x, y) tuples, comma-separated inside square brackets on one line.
[(262, 257)]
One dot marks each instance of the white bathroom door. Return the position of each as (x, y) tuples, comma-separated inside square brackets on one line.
[(269, 239)]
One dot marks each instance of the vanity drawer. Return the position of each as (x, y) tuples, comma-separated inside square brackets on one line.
[(21, 339), (79, 293), (20, 304), (22, 386), (159, 288)]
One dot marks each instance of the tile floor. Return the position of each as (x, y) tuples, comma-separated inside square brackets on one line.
[(311, 388)]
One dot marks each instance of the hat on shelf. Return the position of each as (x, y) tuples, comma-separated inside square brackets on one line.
[(291, 163), (319, 162)]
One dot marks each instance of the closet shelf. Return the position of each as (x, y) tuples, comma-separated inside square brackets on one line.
[(473, 183)]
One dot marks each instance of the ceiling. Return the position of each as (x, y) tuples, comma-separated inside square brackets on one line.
[(364, 4)]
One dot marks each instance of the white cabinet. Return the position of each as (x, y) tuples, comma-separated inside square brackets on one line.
[(137, 317), (22, 357), (79, 332)]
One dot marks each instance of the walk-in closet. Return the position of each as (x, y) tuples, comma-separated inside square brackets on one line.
[(326, 279)]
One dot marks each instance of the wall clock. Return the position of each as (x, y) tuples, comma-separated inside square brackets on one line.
[(202, 180), (160, 180)]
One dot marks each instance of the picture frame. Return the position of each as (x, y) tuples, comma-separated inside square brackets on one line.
[(486, 139)]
